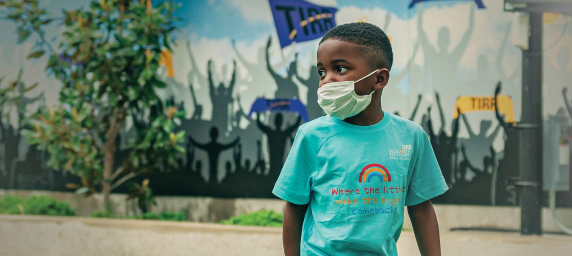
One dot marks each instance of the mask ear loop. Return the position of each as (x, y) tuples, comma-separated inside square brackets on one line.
[(367, 77)]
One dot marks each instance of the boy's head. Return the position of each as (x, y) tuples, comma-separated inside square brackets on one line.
[(351, 51)]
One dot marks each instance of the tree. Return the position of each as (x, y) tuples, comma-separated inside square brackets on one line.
[(107, 62)]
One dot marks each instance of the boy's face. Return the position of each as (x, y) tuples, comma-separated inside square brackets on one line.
[(339, 61)]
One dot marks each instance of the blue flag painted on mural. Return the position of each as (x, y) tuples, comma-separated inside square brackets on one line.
[(478, 2), (279, 105), (299, 21)]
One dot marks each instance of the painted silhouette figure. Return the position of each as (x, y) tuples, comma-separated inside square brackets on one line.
[(8, 142), (3, 131), (19, 145), (11, 141), (228, 168), (286, 87), (260, 165), (173, 89), (191, 165), (442, 64), (567, 101), (480, 189), (509, 165), (198, 108), (237, 157), (503, 76), (195, 75), (394, 92), (195, 71), (277, 138), (480, 143), (415, 109), (213, 149), (238, 115), (30, 173), (312, 83), (258, 78), (257, 71), (221, 99), (410, 68), (445, 146)]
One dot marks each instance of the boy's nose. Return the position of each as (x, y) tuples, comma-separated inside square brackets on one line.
[(328, 79)]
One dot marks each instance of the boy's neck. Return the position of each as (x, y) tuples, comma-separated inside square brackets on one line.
[(371, 115)]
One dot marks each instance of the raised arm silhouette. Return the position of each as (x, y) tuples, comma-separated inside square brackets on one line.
[(213, 149)]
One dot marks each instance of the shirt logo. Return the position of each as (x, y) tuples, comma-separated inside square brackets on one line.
[(403, 153)]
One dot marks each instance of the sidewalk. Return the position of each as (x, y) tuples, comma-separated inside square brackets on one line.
[(469, 243), (62, 236)]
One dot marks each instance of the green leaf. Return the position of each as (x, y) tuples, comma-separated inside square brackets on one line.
[(160, 84), (180, 135), (36, 54), (180, 149), (133, 92), (23, 35), (168, 126), (180, 114)]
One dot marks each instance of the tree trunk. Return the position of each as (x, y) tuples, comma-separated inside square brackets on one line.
[(108, 161), (107, 171)]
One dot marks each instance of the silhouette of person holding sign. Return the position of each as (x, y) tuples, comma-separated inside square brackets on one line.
[(277, 140)]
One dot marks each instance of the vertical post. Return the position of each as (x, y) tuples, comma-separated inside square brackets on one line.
[(531, 199)]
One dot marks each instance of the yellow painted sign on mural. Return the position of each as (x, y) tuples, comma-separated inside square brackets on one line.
[(486, 103), (550, 17)]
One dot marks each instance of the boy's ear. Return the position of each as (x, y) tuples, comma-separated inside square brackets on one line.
[(381, 79)]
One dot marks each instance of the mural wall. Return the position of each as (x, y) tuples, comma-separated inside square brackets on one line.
[(230, 62)]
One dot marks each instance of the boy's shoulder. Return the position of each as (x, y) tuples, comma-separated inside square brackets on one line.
[(405, 124), (321, 126)]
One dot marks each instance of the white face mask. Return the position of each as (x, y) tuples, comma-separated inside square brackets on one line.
[(340, 100)]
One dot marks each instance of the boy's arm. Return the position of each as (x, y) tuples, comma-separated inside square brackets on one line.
[(426, 228), (292, 228)]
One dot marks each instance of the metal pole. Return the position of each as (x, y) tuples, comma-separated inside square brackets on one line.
[(531, 173)]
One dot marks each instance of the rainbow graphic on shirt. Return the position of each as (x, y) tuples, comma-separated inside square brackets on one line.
[(374, 170)]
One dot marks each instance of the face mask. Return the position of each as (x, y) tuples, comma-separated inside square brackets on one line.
[(339, 99)]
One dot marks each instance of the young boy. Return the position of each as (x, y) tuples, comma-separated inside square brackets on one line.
[(349, 175)]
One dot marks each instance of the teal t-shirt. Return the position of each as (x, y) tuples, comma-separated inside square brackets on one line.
[(357, 181)]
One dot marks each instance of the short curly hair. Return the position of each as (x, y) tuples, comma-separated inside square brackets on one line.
[(373, 44)]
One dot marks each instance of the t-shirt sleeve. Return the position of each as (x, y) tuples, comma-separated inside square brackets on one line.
[(426, 181), (294, 182)]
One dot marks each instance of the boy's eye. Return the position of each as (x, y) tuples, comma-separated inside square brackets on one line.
[(341, 69), (321, 73)]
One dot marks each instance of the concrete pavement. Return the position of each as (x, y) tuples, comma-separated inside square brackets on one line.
[(62, 236)]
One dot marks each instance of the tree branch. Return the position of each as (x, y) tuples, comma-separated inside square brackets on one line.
[(119, 171), (122, 180)]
